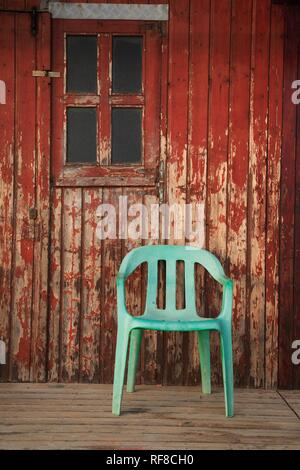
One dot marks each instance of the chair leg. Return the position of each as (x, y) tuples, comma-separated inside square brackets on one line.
[(120, 364), (204, 352), (134, 352), (227, 366)]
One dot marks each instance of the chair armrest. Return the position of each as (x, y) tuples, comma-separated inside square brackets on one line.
[(227, 298), (131, 261), (121, 301), (128, 265)]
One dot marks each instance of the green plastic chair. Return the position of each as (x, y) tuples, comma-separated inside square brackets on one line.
[(172, 319)]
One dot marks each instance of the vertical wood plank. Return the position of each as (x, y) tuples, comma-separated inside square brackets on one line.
[(71, 284), (177, 149), (217, 155), (111, 260), (24, 200), (91, 289), (296, 328), (55, 278), (40, 288), (238, 179), (197, 149), (273, 194), (257, 187), (152, 347), (7, 74), (134, 281), (286, 291)]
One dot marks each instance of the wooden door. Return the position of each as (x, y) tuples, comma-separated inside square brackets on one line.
[(24, 195), (107, 142)]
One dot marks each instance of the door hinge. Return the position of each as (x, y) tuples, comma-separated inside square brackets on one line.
[(34, 22), (155, 26), (45, 73)]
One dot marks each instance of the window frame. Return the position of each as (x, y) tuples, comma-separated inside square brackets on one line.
[(103, 172)]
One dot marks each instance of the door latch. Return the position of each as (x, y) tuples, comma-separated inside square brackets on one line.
[(45, 73)]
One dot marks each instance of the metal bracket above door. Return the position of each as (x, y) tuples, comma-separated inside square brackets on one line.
[(109, 11)]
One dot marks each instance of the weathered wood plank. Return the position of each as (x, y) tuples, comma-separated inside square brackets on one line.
[(273, 195), (104, 405), (217, 156), (129, 446), (42, 180), (116, 440), (152, 347), (197, 154), (257, 187), (296, 368), (169, 398), (164, 433), (238, 179), (177, 150), (24, 200), (111, 260), (91, 289), (7, 47), (292, 397), (55, 284), (287, 208), (133, 284), (241, 422), (71, 291), (143, 391), (133, 240)]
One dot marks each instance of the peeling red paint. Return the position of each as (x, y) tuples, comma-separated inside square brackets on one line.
[(26, 250)]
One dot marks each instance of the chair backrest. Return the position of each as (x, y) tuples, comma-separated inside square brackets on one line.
[(152, 254)]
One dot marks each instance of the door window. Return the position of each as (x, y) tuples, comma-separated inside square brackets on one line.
[(106, 103)]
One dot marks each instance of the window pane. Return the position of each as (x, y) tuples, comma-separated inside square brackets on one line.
[(126, 135), (81, 135), (127, 64), (82, 64)]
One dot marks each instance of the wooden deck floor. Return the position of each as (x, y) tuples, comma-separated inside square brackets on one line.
[(57, 416)]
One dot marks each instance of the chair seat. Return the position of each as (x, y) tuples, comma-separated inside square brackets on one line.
[(194, 323)]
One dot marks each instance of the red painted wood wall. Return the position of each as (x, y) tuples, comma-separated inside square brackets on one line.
[(229, 138)]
